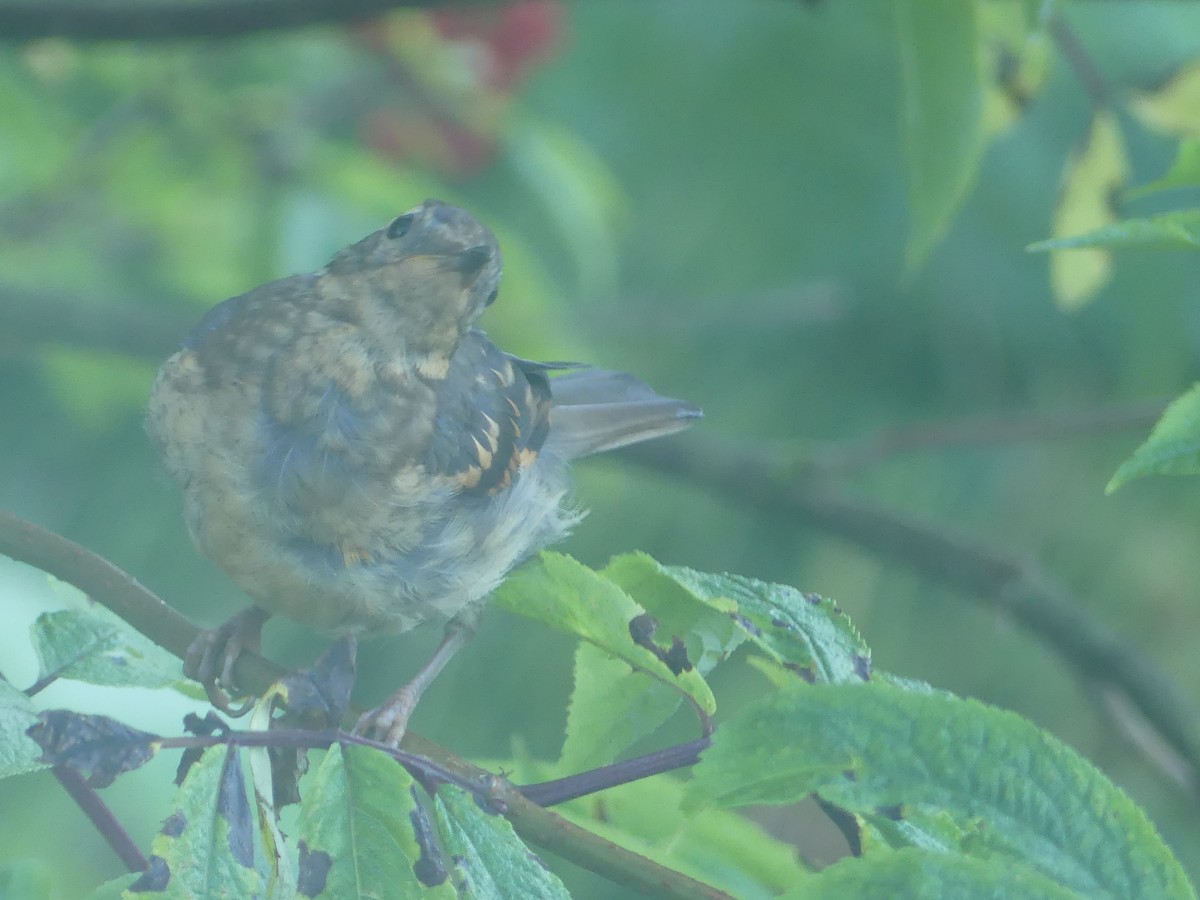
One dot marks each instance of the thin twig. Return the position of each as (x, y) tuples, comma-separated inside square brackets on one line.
[(841, 457), (185, 21), (551, 793), (1092, 648), (102, 817), (1080, 59)]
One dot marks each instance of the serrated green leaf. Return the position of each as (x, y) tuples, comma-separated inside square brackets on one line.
[(97, 647), (491, 862), (1171, 230), (611, 706), (206, 846), (565, 594), (942, 97), (868, 746), (808, 634), (357, 831), (1173, 447), (919, 873), (18, 752), (718, 847)]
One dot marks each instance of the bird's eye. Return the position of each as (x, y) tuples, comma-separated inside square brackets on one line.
[(492, 297), (399, 228)]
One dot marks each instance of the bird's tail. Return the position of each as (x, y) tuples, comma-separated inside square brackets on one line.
[(598, 409)]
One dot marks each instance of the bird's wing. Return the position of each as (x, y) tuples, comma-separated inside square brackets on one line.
[(493, 416)]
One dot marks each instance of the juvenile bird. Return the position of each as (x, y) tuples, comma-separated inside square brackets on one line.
[(358, 457)]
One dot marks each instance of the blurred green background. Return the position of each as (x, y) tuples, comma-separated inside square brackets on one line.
[(711, 195)]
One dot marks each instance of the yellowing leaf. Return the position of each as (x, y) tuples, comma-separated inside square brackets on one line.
[(1173, 108), (1092, 178), (1018, 55)]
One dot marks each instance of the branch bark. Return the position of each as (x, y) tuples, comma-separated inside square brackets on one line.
[(167, 21)]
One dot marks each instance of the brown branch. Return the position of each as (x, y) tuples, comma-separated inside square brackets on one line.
[(140, 608), (839, 457), (1080, 60), (102, 817), (165, 21), (1018, 588)]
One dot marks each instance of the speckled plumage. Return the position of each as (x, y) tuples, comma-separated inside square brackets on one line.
[(357, 456)]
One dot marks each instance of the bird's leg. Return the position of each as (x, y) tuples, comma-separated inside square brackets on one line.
[(389, 720), (213, 654)]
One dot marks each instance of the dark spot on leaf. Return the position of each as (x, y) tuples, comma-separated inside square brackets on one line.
[(233, 805), (429, 867), (288, 764), (845, 822), (862, 667), (642, 629), (319, 696), (193, 724), (314, 871), (156, 877), (675, 658), (98, 747), (814, 599), (808, 673), (895, 813), (210, 724), (175, 825), (850, 775), (781, 623), (746, 624)]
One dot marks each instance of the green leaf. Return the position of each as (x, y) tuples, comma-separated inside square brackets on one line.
[(206, 846), (25, 880), (865, 747), (18, 752), (1173, 447), (577, 191), (612, 706), (565, 594), (358, 830), (112, 890), (942, 97), (920, 873), (718, 847), (807, 634), (95, 646), (1171, 230), (1184, 172), (491, 862)]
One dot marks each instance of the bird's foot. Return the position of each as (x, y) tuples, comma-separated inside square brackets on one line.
[(212, 656), (388, 721)]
